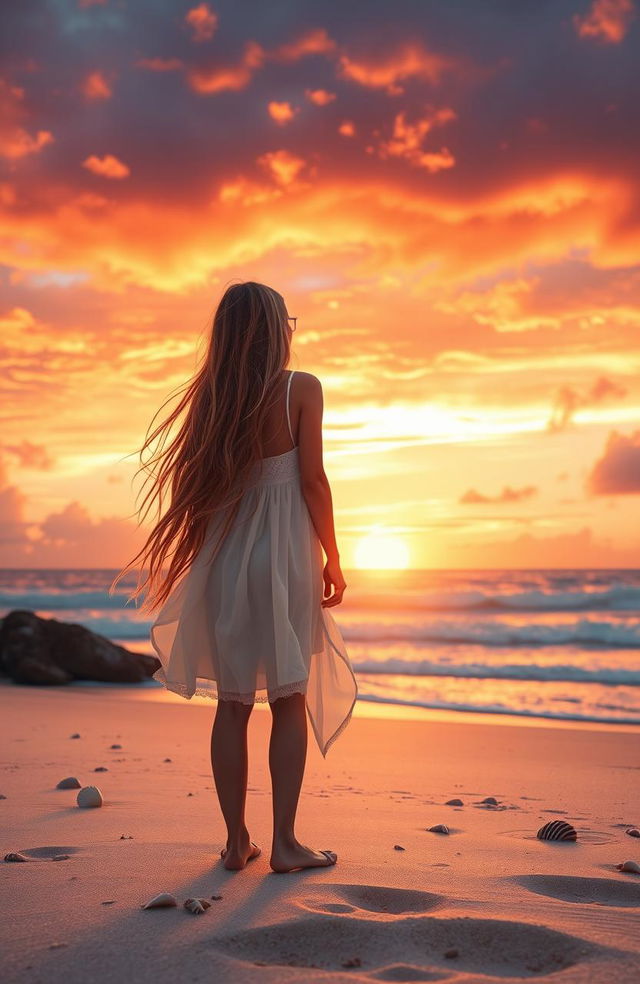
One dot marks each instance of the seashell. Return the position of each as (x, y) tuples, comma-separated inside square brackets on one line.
[(89, 796), (454, 802), (115, 746), (16, 856), (632, 866), (439, 828), (633, 832), (69, 783), (166, 760), (489, 801), (197, 906), (557, 830), (162, 901)]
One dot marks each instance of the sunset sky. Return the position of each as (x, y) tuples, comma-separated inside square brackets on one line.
[(445, 192)]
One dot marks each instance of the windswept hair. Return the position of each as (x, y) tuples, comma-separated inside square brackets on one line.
[(209, 462)]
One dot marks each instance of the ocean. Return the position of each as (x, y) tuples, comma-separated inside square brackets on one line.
[(561, 644)]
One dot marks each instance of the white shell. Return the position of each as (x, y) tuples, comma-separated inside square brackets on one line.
[(197, 905), (69, 783), (633, 832), (629, 866), (439, 828), (162, 901), (89, 796)]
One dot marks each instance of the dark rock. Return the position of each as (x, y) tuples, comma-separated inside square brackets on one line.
[(41, 651)]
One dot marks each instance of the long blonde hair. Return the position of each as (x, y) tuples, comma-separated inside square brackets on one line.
[(209, 462)]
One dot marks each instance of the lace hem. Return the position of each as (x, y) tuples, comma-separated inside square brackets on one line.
[(247, 697)]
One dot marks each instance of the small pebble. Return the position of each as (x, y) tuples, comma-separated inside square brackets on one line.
[(69, 783), (454, 802), (126, 837), (89, 796), (439, 828), (166, 760), (189, 794), (352, 962), (633, 832), (16, 856), (490, 801), (108, 902), (216, 898), (100, 768), (75, 736), (115, 746), (398, 847), (2, 796), (632, 866)]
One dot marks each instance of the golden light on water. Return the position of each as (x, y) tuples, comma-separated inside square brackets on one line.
[(380, 550)]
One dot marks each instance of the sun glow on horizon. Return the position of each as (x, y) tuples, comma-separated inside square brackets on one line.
[(380, 550)]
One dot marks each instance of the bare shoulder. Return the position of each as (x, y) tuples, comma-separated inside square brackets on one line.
[(308, 386)]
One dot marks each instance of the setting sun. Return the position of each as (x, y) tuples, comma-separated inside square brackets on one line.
[(379, 550)]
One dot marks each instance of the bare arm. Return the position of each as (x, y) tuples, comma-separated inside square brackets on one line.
[(315, 485)]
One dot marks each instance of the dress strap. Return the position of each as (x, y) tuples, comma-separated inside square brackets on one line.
[(288, 416)]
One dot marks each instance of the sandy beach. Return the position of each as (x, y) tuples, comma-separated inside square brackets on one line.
[(487, 901)]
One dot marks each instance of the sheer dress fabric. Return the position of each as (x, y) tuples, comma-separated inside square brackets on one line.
[(248, 625)]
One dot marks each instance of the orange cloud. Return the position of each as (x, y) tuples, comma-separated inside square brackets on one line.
[(107, 166), (508, 495), (607, 20), (347, 129), (159, 64), (95, 86), (282, 112), (31, 455), (386, 72), (314, 42), (320, 97), (283, 166), (203, 22), (15, 141), (407, 140), (209, 81)]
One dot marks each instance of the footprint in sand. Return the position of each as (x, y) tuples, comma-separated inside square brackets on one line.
[(376, 899), (47, 853), (569, 888), (413, 947)]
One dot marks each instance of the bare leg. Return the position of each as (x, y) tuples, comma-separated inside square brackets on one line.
[(229, 762), (287, 755)]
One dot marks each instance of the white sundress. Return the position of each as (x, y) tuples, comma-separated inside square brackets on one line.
[(249, 624)]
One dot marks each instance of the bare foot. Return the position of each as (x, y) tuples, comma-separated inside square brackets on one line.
[(236, 858), (293, 856)]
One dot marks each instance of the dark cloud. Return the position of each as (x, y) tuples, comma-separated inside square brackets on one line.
[(617, 472), (568, 400)]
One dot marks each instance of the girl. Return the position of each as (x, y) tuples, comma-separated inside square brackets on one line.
[(243, 613)]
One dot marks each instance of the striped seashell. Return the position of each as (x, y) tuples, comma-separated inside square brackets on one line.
[(557, 830), (162, 901), (197, 906)]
